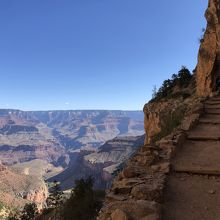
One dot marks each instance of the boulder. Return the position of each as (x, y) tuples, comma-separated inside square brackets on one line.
[(119, 215)]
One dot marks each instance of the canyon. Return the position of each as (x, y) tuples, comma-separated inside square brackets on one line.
[(102, 165), (64, 145), (171, 172), (51, 135)]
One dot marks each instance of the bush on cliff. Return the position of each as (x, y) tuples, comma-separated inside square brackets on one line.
[(29, 212), (55, 198), (180, 80), (84, 203)]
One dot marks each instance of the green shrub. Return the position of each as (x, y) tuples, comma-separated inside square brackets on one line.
[(84, 203), (182, 80), (29, 211), (1, 206), (55, 198)]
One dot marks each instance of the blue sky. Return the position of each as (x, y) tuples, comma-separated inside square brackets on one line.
[(93, 54)]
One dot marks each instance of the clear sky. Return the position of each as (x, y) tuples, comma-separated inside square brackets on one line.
[(93, 54)]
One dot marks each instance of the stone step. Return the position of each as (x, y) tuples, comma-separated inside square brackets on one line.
[(200, 157), (216, 106), (205, 132), (209, 102), (211, 116), (212, 111), (113, 197), (193, 188), (203, 138), (192, 171), (217, 98), (209, 121), (191, 197)]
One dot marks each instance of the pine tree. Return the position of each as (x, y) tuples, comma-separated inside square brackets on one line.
[(154, 92), (13, 216), (29, 211), (83, 204), (55, 198)]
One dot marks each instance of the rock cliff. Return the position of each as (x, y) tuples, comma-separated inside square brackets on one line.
[(163, 115), (208, 68), (157, 114), (137, 192)]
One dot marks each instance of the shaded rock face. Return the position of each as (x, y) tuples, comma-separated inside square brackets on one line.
[(164, 116), (208, 68), (152, 119), (158, 115)]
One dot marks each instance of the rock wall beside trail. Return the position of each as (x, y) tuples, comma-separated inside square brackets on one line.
[(160, 118), (209, 53), (137, 191), (156, 114)]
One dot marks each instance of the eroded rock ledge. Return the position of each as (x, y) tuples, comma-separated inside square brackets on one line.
[(137, 191)]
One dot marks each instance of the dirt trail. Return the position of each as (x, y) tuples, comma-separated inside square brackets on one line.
[(193, 187)]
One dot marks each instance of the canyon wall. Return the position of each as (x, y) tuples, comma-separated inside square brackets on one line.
[(208, 67), (50, 135)]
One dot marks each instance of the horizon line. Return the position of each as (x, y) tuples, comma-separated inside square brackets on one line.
[(16, 109)]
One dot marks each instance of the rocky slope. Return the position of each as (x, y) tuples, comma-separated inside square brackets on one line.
[(17, 188)]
